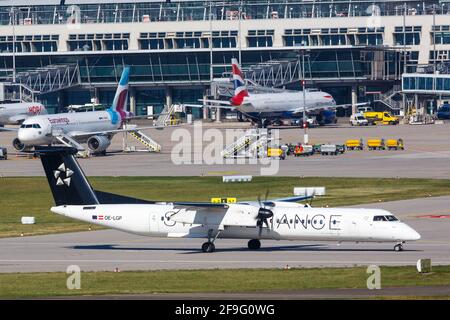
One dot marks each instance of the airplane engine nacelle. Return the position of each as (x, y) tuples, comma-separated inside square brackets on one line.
[(19, 146), (98, 144)]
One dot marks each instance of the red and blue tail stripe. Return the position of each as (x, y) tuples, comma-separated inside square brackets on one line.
[(240, 89)]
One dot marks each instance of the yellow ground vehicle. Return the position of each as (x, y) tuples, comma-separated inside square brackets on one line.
[(381, 118), (376, 144), (354, 144), (393, 144), (276, 153)]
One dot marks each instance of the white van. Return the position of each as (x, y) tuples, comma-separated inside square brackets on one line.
[(364, 109), (358, 119)]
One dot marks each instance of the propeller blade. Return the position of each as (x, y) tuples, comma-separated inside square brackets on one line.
[(312, 198), (259, 200)]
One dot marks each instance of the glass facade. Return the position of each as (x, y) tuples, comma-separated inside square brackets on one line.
[(431, 84), (30, 43), (408, 35), (440, 35), (220, 10)]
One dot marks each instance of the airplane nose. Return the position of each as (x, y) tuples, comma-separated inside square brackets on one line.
[(22, 135), (411, 234), (415, 235)]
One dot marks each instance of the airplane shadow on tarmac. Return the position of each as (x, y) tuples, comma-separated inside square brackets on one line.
[(309, 247)]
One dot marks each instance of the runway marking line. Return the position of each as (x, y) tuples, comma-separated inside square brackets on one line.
[(432, 216)]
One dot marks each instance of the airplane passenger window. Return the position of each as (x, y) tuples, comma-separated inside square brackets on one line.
[(379, 218), (391, 218)]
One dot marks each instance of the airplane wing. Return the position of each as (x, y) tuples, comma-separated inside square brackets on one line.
[(93, 133), (316, 108), (18, 119), (290, 199), (219, 217), (222, 104), (350, 105), (9, 129)]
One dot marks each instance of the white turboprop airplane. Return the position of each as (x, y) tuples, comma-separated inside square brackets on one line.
[(16, 113), (266, 107), (277, 219), (95, 128)]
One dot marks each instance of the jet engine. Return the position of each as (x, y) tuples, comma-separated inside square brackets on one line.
[(19, 146), (98, 144)]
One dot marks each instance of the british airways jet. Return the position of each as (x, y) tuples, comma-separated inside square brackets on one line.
[(94, 128), (264, 108)]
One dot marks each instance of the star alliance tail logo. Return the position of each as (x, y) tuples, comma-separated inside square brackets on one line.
[(63, 175)]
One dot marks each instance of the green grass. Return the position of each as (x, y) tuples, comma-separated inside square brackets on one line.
[(31, 196), (243, 280)]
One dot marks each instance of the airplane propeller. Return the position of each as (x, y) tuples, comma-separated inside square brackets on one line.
[(263, 214), (313, 196)]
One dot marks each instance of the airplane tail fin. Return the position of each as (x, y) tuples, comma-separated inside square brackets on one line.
[(240, 89), (67, 181), (120, 99)]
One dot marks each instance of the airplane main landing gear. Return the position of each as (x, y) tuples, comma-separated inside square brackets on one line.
[(208, 247), (254, 244), (398, 247)]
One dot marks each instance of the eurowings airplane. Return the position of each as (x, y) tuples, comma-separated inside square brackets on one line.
[(267, 107), (16, 113), (94, 128), (277, 219)]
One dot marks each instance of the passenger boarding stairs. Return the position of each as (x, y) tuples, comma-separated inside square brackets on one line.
[(164, 118), (68, 141), (386, 98), (253, 144), (145, 140)]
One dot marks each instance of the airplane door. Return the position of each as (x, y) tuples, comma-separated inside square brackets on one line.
[(353, 227), (153, 223)]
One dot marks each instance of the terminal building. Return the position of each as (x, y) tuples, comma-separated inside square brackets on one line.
[(68, 52)]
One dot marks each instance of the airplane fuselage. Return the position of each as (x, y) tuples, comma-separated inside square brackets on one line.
[(292, 222), (286, 105), (16, 113), (41, 130)]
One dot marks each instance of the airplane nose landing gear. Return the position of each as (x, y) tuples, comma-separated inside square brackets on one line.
[(398, 247), (254, 244)]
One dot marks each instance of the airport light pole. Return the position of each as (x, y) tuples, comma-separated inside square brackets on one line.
[(211, 71), (301, 69), (239, 32), (404, 55), (13, 18), (434, 42)]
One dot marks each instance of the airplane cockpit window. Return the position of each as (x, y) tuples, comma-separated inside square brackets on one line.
[(28, 126), (391, 218), (385, 218)]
